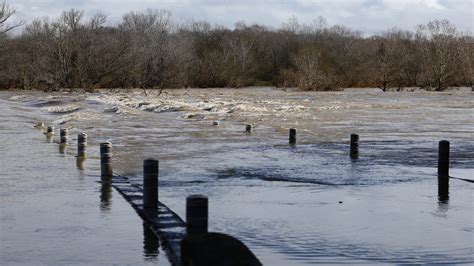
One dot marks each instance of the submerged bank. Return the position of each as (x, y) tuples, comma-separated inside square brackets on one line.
[(283, 201)]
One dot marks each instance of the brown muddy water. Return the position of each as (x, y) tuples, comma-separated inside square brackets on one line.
[(292, 205)]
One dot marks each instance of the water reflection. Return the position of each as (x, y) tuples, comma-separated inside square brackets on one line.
[(62, 148), (354, 158), (443, 195), (49, 137), (105, 196), (151, 244), (80, 163), (443, 190)]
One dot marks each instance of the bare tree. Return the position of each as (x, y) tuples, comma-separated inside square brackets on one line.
[(467, 59), (409, 56), (239, 53), (308, 72), (6, 12), (439, 45), (149, 49), (390, 62), (344, 49), (149, 32)]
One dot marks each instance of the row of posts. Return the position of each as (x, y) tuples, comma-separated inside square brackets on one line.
[(196, 205), (106, 149), (197, 209), (197, 213)]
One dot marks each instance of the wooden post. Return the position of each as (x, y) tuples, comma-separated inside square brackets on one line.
[(196, 215), (150, 184), (63, 135), (105, 160), (81, 145), (443, 159), (292, 136), (354, 151), (50, 130), (248, 128), (50, 133)]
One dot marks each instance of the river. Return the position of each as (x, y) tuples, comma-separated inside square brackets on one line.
[(291, 204)]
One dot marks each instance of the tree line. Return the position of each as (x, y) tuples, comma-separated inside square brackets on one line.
[(151, 49)]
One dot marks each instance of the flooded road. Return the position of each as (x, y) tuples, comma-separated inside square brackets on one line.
[(292, 205), (51, 213)]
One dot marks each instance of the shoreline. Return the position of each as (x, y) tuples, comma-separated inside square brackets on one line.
[(285, 89)]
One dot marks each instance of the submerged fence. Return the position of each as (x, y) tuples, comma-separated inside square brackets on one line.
[(189, 242)]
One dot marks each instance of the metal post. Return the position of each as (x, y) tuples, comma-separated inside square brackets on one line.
[(50, 133), (292, 136), (50, 130), (196, 215), (354, 151), (81, 145), (105, 160), (150, 184), (248, 128), (63, 135), (443, 158)]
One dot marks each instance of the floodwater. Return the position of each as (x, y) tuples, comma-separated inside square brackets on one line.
[(292, 205)]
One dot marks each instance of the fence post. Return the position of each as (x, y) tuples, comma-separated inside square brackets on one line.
[(50, 133), (292, 137), (150, 184), (248, 128), (63, 135), (354, 151), (81, 145), (196, 215), (50, 130), (443, 158), (105, 160)]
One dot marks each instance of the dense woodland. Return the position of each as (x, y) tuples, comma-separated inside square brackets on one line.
[(150, 49)]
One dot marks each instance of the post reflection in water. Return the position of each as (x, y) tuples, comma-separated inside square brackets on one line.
[(443, 190), (80, 163), (105, 196), (62, 148), (151, 244), (49, 138), (443, 195)]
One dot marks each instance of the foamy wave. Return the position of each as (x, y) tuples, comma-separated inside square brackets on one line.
[(348, 106), (78, 116), (17, 97), (198, 106), (61, 109)]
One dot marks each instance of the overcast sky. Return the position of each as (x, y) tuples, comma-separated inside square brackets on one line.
[(369, 16)]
